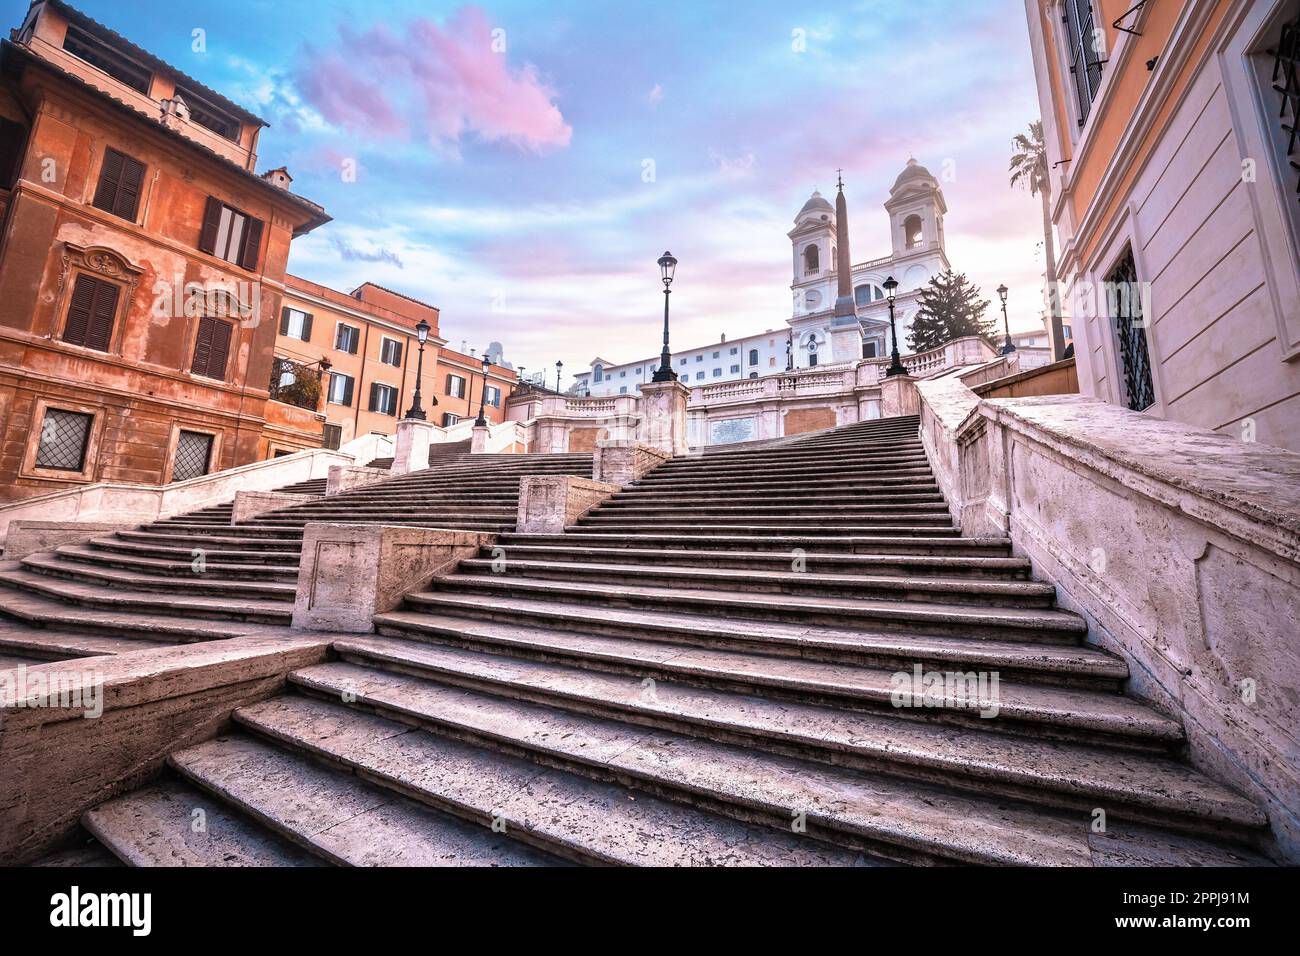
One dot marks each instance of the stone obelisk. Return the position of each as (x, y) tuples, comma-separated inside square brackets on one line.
[(846, 332)]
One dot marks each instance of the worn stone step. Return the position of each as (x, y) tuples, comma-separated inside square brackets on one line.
[(812, 479), (51, 644), (1000, 568), (793, 513), (128, 581), (258, 610), (515, 623), (234, 538), (574, 816), (809, 609), (1078, 775), (184, 568), (908, 587), (232, 556), (891, 815), (764, 504), (157, 825), (784, 544), (338, 817), (844, 496), (716, 681), (226, 533), (892, 454), (768, 528)]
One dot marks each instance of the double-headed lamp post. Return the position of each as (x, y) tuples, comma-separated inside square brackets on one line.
[(1008, 345), (416, 411), (896, 366), (665, 373), (481, 421)]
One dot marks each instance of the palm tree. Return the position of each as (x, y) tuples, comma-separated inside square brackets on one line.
[(1029, 168)]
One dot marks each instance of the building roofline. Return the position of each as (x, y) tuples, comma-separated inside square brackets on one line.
[(9, 48), (81, 19), (400, 295)]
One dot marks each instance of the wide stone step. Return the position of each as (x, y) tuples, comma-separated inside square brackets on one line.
[(908, 587), (188, 568), (155, 826), (234, 538), (449, 617), (857, 501), (338, 817), (54, 565), (422, 522), (767, 528), (882, 544), (1029, 623), (573, 816), (910, 820), (51, 644), (231, 557), (813, 479), (760, 484), (346, 511), (1144, 786), (902, 452), (1002, 568), (811, 467), (227, 533), (94, 595), (795, 512)]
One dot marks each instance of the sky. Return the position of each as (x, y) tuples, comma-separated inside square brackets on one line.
[(522, 165)]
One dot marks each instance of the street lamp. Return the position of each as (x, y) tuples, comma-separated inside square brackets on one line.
[(1008, 346), (789, 351), (665, 373), (558, 365), (895, 363), (422, 334), (481, 421)]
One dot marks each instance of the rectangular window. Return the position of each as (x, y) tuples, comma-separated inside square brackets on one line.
[(121, 180), (340, 392), (1085, 62), (623, 374), (193, 456), (13, 143), (383, 398), (448, 419), (347, 338), (735, 369), (390, 352), (494, 396), (682, 362), (455, 386), (91, 313), (332, 437), (103, 57), (209, 116), (717, 373), (622, 389), (715, 354), (735, 351), (295, 324), (699, 376), (212, 348), (64, 438), (700, 357), (1124, 303), (230, 234)]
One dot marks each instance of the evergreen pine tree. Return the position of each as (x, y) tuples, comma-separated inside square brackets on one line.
[(949, 307)]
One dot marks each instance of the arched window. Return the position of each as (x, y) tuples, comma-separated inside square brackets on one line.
[(811, 261), (753, 356), (753, 375), (912, 232), (864, 295), (598, 373)]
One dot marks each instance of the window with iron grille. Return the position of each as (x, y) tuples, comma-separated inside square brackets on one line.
[(64, 437), (193, 455), (1124, 302), (1285, 81), (1084, 60)]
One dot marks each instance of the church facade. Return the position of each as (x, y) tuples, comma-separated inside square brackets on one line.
[(817, 332)]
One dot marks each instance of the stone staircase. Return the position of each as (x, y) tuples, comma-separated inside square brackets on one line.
[(437, 452), (705, 671), (198, 577)]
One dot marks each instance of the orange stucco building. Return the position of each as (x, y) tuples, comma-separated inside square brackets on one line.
[(142, 264), (1169, 128)]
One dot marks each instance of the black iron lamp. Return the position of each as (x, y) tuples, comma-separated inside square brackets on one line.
[(481, 421), (1008, 346), (896, 366), (667, 267), (416, 411)]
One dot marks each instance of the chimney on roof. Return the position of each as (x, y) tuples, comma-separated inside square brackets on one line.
[(280, 178), (175, 112)]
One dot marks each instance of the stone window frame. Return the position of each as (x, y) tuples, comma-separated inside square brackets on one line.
[(43, 403), (106, 265), (179, 426)]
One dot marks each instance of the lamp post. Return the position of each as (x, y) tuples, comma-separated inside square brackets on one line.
[(422, 335), (789, 352), (665, 373), (481, 421), (1007, 346), (896, 366), (558, 365)]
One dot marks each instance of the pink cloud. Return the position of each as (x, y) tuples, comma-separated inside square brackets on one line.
[(441, 83)]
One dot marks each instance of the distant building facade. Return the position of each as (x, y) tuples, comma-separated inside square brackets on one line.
[(1170, 136)]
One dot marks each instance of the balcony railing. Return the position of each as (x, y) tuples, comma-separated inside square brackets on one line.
[(296, 383)]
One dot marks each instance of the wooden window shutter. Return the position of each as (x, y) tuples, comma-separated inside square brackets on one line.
[(13, 139), (202, 347), (83, 301), (306, 327), (128, 194), (374, 396), (397, 354), (211, 222), (347, 391), (284, 321), (110, 179), (252, 244), (220, 356), (102, 313)]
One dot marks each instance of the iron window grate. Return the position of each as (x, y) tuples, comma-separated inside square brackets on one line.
[(64, 436), (193, 454), (1130, 329), (1286, 81)]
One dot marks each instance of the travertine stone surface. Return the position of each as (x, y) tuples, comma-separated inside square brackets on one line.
[(550, 503), (623, 462), (478, 440), (58, 763), (411, 449), (29, 537), (350, 572), (250, 504), (1178, 545), (898, 396), (663, 406), (346, 477)]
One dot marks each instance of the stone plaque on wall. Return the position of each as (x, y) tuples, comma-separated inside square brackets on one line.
[(724, 431)]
